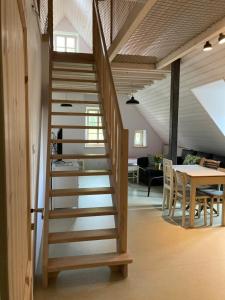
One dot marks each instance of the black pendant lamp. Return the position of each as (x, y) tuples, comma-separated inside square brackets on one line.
[(207, 46), (132, 101)]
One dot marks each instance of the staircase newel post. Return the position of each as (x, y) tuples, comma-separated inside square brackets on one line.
[(123, 197)]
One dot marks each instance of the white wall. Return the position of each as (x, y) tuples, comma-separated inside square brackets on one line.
[(134, 120), (196, 129), (65, 26), (77, 133)]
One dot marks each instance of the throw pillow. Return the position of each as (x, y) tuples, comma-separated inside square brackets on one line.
[(191, 159)]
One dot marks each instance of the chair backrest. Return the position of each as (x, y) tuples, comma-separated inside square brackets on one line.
[(180, 183), (167, 173), (209, 163)]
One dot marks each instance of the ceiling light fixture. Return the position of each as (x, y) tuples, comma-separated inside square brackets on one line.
[(221, 39), (66, 105), (132, 101), (207, 46)]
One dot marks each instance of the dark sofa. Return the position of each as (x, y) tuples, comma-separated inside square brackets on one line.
[(146, 171)]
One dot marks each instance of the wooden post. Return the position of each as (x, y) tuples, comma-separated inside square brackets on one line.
[(174, 108), (111, 21)]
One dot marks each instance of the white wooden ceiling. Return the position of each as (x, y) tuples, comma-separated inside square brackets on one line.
[(196, 128), (79, 13)]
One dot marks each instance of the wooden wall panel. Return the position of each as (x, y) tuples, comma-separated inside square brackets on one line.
[(196, 129), (20, 115), (15, 116)]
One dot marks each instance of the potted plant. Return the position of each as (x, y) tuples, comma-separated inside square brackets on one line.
[(158, 161)]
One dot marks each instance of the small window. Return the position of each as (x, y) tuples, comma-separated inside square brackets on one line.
[(94, 133), (140, 139), (65, 43)]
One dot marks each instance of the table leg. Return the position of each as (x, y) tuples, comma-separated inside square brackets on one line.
[(223, 207), (192, 204)]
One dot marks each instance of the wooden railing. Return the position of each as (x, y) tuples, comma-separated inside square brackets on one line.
[(117, 136), (48, 164)]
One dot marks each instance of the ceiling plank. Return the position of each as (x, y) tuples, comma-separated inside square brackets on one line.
[(135, 18), (210, 33)]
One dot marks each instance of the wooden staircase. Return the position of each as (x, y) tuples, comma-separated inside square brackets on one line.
[(79, 74)]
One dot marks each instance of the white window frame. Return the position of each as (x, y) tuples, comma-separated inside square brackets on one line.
[(65, 35), (143, 142), (99, 131)]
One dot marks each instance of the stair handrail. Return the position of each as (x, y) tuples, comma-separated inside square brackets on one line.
[(117, 136), (48, 163)]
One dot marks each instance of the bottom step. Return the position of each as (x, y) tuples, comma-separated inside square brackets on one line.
[(87, 261)]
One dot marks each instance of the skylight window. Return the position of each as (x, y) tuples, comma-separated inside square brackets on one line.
[(212, 97)]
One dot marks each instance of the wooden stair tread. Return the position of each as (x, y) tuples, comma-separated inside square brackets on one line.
[(80, 236), (80, 191), (79, 156), (73, 58), (77, 127), (81, 212), (75, 101), (75, 90), (80, 173), (88, 261), (60, 113), (72, 141), (75, 80), (57, 69)]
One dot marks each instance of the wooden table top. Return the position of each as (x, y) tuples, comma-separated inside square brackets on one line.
[(198, 171)]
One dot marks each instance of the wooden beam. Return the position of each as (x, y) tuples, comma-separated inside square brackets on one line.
[(133, 66), (209, 33), (174, 108), (133, 76), (135, 18), (132, 81), (140, 59), (111, 21)]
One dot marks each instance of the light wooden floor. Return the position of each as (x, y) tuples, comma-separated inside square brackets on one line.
[(169, 262)]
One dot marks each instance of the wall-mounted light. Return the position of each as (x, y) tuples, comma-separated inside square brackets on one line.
[(207, 46), (221, 39)]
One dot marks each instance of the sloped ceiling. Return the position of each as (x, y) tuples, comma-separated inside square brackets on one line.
[(79, 13), (196, 129)]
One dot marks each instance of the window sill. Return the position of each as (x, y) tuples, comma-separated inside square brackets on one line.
[(140, 146)]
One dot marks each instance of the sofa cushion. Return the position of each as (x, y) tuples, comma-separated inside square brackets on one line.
[(191, 160), (204, 154), (151, 160), (220, 158), (142, 162)]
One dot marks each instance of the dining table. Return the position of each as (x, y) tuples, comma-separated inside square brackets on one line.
[(200, 176)]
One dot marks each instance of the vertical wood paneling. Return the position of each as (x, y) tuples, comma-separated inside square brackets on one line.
[(16, 151), (196, 129)]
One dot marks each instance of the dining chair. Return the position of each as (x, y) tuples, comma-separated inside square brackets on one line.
[(211, 164), (182, 194), (215, 197), (167, 184)]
